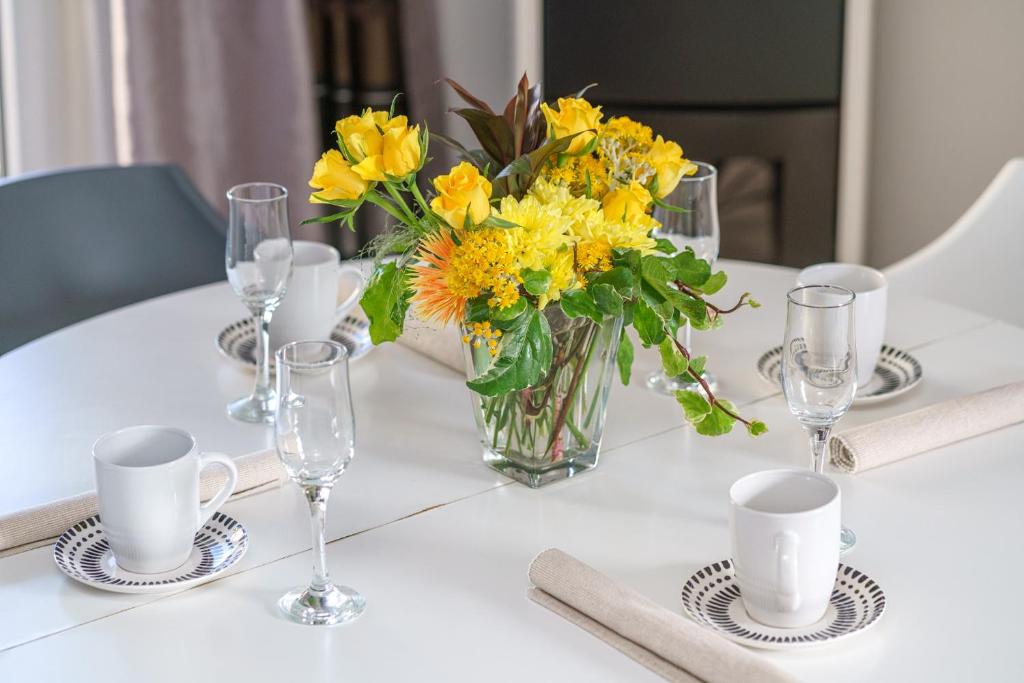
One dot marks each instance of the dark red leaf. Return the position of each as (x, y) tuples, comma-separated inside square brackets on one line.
[(469, 97)]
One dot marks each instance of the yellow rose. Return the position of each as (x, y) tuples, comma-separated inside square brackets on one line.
[(627, 204), (460, 192), (574, 115), (335, 179), (361, 134), (401, 149), (666, 158)]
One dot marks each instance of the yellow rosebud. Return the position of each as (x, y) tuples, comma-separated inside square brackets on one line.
[(401, 149), (460, 192), (666, 158), (627, 204), (574, 115), (371, 168), (335, 179)]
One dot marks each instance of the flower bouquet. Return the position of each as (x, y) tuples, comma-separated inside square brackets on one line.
[(539, 247)]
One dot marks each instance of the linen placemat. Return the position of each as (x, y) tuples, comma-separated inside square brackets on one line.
[(668, 644), (41, 525), (881, 443)]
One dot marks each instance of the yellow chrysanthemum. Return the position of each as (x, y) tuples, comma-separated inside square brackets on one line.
[(563, 277), (543, 230)]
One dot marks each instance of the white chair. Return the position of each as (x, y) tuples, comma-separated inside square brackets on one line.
[(977, 263)]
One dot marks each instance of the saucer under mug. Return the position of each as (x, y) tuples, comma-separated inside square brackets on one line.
[(711, 597), (237, 341), (896, 372), (82, 552)]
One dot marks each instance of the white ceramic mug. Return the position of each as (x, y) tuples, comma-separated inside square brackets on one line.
[(147, 481), (785, 544), (310, 308), (869, 308)]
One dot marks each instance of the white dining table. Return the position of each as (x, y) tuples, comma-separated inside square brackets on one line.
[(439, 544)]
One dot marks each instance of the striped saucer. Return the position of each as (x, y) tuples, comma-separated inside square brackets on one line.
[(711, 597), (895, 373), (82, 552)]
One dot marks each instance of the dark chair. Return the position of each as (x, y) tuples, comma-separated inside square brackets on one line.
[(79, 242)]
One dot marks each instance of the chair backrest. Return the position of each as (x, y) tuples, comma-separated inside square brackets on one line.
[(79, 242), (976, 264)]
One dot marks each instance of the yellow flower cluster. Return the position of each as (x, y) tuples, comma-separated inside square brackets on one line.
[(479, 333), (374, 147), (574, 173), (483, 260)]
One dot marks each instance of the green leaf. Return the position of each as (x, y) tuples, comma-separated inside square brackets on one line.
[(477, 310), (385, 303), (672, 361), (630, 258), (695, 406), (524, 357), (689, 269), (621, 278), (714, 283), (756, 428), (624, 357), (493, 221), (717, 422), (647, 324), (753, 304), (697, 364), (578, 302), (665, 246), (510, 312), (608, 300), (536, 282)]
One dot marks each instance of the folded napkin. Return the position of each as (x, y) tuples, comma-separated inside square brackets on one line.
[(39, 526), (443, 346), (668, 644), (936, 425)]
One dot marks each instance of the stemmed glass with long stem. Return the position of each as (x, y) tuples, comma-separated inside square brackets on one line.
[(259, 262), (315, 430), (819, 366), (698, 229)]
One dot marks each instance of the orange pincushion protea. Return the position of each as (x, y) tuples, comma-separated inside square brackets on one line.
[(432, 295)]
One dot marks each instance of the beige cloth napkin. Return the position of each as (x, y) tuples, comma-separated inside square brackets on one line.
[(41, 525), (443, 346), (668, 644), (899, 437)]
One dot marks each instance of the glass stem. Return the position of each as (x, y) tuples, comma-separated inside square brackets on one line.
[(262, 389), (317, 498), (819, 437)]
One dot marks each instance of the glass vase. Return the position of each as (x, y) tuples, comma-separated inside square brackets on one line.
[(553, 429)]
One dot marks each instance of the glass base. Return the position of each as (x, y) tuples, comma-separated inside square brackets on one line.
[(660, 383), (538, 475), (333, 605), (847, 539), (254, 409)]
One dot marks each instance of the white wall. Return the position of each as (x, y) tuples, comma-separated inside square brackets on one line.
[(947, 113)]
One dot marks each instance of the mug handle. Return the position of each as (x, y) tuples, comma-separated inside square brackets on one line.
[(351, 300), (787, 596), (206, 511)]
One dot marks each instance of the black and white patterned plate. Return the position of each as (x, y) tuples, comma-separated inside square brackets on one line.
[(237, 341), (82, 553), (896, 372), (711, 597)]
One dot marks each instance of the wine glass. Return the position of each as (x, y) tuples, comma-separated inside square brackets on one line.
[(819, 366), (698, 229), (315, 431), (259, 263)]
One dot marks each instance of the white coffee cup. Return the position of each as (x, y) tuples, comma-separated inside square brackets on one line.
[(147, 481), (310, 308), (869, 308), (785, 544)]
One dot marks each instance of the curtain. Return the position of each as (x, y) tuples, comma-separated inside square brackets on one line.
[(224, 89)]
